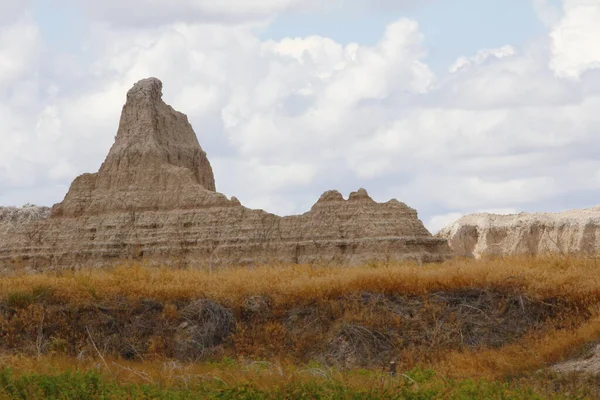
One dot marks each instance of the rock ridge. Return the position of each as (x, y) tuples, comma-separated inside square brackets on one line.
[(567, 232), (154, 198)]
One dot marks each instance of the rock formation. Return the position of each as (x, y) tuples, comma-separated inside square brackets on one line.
[(154, 198), (13, 217), (155, 163), (569, 232)]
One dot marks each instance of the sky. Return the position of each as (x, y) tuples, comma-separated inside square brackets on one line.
[(453, 107)]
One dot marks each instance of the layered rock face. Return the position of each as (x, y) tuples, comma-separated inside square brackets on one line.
[(13, 217), (156, 163), (154, 198), (569, 232)]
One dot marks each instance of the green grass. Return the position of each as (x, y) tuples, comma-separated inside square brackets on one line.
[(22, 299), (415, 385)]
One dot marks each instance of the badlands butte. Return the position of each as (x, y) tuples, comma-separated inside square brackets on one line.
[(155, 198)]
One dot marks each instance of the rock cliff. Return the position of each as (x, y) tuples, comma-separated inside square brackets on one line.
[(156, 163), (569, 232), (154, 198)]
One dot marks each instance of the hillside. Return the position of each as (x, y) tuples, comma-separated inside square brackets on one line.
[(485, 319)]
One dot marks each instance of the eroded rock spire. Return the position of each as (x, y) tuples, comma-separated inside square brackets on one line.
[(156, 162)]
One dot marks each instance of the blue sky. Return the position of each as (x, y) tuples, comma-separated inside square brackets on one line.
[(451, 28), (61, 27)]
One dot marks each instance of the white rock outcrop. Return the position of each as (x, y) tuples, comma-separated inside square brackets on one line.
[(568, 232)]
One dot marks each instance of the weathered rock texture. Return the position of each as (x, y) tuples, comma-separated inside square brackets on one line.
[(154, 198), (156, 163), (13, 217), (569, 232)]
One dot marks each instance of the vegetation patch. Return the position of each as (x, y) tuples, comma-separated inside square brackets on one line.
[(495, 322), (360, 330), (416, 384)]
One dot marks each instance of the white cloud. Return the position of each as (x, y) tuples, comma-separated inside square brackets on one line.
[(285, 120), (150, 13), (438, 222), (18, 51), (548, 13), (575, 38), (12, 10), (481, 57), (19, 54)]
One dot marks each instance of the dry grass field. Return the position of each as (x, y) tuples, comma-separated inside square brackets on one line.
[(454, 330)]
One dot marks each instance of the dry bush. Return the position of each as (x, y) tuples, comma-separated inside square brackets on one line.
[(207, 324), (132, 330), (361, 330), (465, 316), (353, 344)]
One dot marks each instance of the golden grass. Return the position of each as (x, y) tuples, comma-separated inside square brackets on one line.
[(576, 280), (533, 352), (573, 279)]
